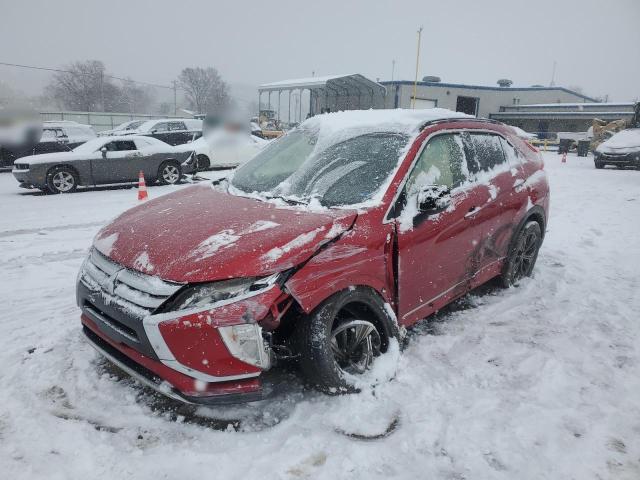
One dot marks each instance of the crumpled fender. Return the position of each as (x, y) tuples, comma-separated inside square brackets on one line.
[(348, 261)]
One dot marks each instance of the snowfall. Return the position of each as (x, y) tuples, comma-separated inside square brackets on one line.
[(534, 382)]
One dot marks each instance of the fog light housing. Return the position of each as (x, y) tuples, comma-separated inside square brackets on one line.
[(245, 343)]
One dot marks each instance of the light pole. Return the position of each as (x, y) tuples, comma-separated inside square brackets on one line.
[(415, 82)]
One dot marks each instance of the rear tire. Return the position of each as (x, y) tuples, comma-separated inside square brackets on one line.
[(62, 179), (203, 163), (523, 254), (341, 338), (169, 173)]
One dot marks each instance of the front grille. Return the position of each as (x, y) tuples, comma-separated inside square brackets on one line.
[(136, 293)]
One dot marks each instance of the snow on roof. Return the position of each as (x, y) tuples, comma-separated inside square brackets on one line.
[(578, 104), (383, 120), (304, 82)]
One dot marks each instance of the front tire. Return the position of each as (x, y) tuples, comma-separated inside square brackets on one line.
[(341, 339), (169, 173), (523, 254), (599, 165), (62, 180)]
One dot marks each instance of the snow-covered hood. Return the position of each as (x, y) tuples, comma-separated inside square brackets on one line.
[(626, 141), (200, 146), (199, 234), (52, 157)]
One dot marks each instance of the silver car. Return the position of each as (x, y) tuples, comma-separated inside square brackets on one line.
[(105, 160)]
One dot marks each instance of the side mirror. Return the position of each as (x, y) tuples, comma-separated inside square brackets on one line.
[(434, 198), (104, 152), (155, 130)]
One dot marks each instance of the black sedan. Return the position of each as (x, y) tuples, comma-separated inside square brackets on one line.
[(104, 160)]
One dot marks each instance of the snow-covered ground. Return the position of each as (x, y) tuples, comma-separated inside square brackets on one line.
[(540, 381)]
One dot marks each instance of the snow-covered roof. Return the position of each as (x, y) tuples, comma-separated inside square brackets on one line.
[(302, 82), (576, 105), (380, 120), (339, 83)]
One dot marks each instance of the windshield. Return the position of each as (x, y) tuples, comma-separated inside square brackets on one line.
[(129, 125), (344, 173), (90, 146)]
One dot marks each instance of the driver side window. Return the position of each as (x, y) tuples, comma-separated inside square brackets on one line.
[(441, 162)]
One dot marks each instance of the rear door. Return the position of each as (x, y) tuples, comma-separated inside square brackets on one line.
[(437, 251), (489, 165)]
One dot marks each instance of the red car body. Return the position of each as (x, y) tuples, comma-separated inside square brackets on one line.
[(415, 271)]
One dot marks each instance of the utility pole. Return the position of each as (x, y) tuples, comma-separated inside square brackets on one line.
[(393, 68), (415, 82), (175, 99)]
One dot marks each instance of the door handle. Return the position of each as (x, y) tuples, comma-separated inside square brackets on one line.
[(518, 185), (472, 211)]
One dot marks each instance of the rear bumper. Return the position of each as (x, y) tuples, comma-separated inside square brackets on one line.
[(166, 381)]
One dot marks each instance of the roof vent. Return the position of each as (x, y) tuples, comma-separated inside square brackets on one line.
[(505, 82), (431, 79)]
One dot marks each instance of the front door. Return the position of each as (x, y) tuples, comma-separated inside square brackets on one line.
[(119, 164), (438, 251)]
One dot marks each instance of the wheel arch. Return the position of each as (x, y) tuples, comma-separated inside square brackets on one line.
[(368, 300), (52, 168), (535, 213)]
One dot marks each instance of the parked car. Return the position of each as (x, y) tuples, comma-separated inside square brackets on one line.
[(122, 129), (621, 150), (224, 149), (171, 131), (56, 137), (322, 249), (104, 160), (72, 134)]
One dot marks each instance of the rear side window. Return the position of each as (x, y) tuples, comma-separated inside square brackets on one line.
[(441, 162), (120, 146), (484, 152), (161, 127), (513, 156), (176, 126)]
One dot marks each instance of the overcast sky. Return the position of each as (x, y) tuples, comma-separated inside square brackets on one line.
[(596, 43)]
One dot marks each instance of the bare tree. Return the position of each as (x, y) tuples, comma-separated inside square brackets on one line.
[(205, 90), (83, 86), (134, 98)]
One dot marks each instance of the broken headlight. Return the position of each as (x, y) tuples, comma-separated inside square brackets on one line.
[(202, 295)]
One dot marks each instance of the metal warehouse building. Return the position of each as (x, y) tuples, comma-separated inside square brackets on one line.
[(478, 100)]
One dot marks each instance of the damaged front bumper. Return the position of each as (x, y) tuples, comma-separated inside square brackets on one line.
[(208, 355)]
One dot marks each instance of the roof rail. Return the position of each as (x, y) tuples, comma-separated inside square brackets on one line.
[(458, 119)]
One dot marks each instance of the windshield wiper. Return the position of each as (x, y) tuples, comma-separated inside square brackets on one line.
[(289, 200)]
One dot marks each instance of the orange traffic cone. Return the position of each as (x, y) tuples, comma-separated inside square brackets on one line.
[(142, 187), (564, 157)]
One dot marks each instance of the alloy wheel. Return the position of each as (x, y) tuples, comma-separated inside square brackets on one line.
[(170, 174), (525, 255), (63, 181), (354, 345)]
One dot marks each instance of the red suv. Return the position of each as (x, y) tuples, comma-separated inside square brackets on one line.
[(321, 249)]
